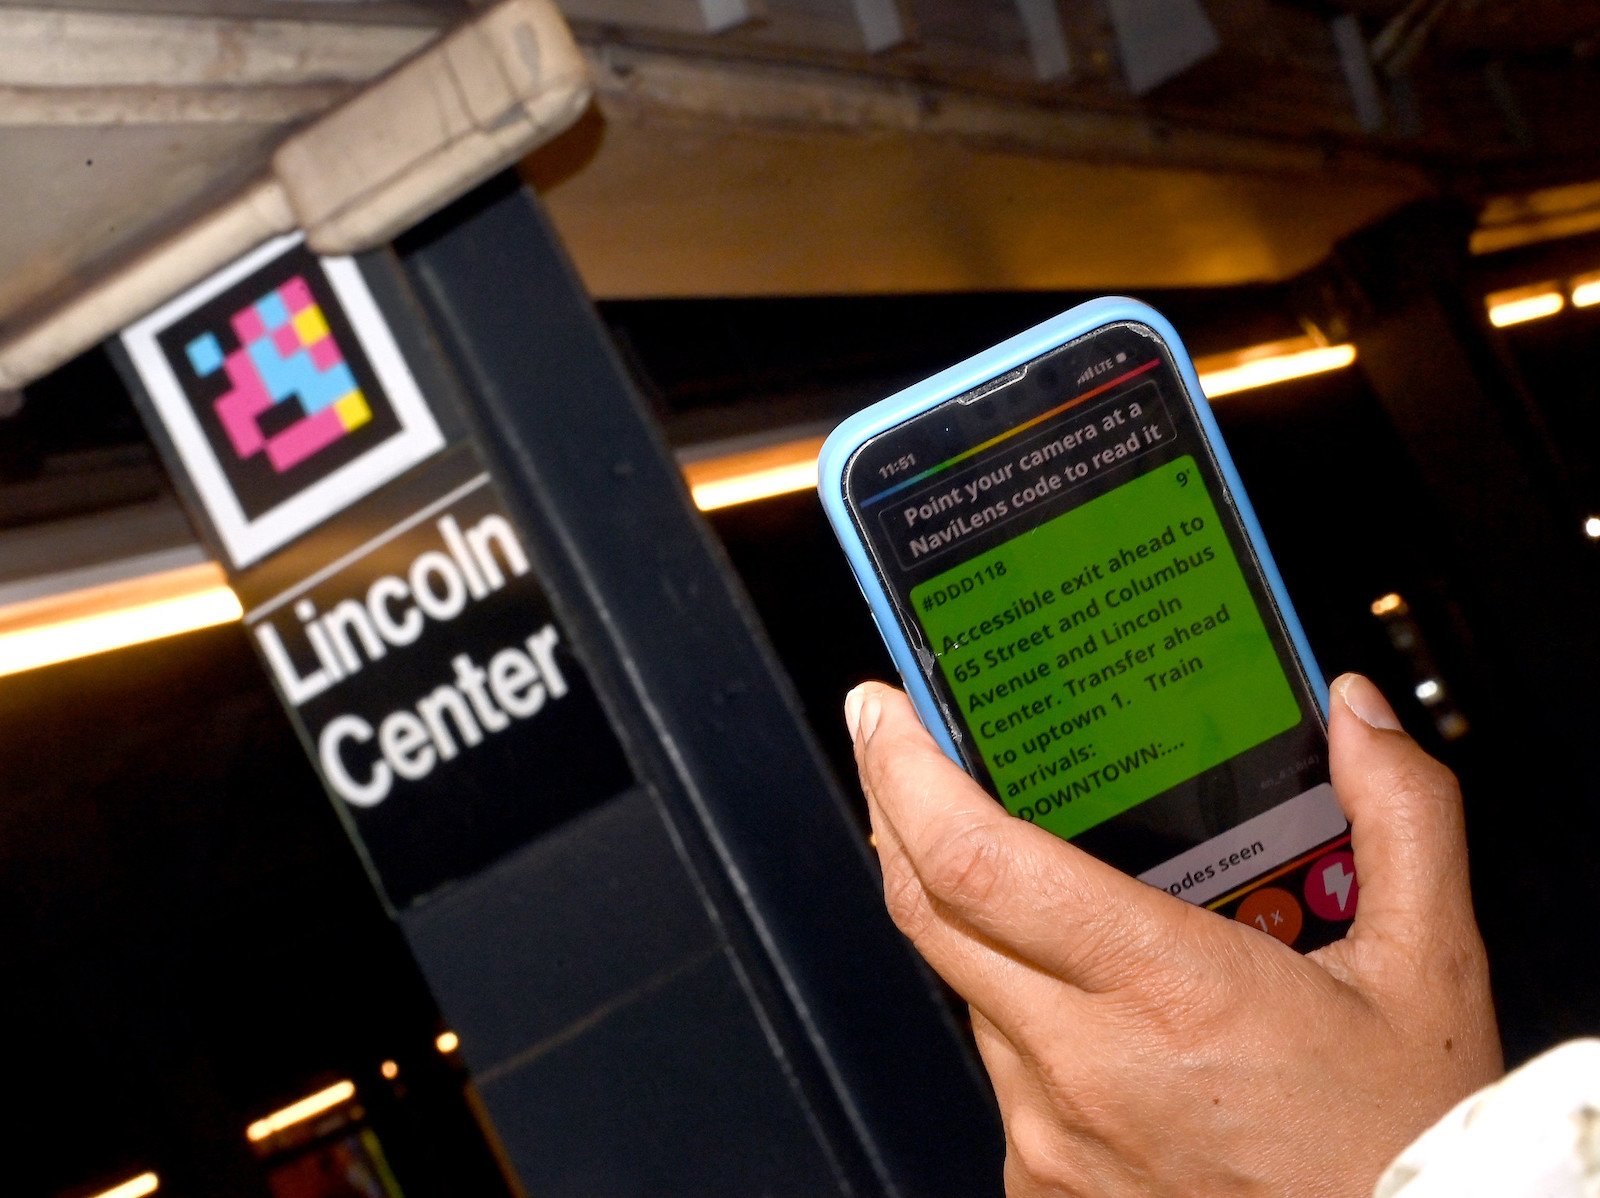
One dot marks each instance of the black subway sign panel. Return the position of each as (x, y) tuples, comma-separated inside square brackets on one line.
[(387, 591), (393, 614), (437, 693)]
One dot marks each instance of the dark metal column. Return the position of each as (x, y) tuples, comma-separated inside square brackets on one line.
[(709, 719)]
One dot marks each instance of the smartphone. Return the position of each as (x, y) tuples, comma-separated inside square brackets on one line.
[(1058, 552)]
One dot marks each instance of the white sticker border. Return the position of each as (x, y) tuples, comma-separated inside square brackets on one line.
[(246, 540)]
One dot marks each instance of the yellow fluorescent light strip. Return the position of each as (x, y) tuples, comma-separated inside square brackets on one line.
[(299, 1112), (779, 469), (1529, 307), (1253, 372), (43, 632), (1521, 304), (99, 619), (753, 474), (1384, 604), (138, 1187)]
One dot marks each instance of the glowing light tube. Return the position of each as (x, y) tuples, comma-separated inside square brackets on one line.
[(1384, 604), (43, 632), (1275, 368), (749, 475), (753, 474), (1508, 308), (137, 1187), (299, 1112)]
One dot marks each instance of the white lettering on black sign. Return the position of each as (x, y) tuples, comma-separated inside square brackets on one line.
[(438, 586), (453, 716), (438, 695)]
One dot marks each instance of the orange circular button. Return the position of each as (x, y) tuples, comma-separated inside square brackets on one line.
[(1274, 911)]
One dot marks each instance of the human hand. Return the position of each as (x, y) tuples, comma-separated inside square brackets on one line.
[(1142, 1046)]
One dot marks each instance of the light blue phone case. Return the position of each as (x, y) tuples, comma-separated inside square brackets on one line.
[(843, 442)]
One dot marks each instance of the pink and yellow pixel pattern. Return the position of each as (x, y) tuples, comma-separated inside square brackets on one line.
[(286, 352)]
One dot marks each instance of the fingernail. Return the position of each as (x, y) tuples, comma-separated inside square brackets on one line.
[(871, 710), (852, 710), (1366, 702)]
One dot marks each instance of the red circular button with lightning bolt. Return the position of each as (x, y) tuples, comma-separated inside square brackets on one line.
[(1331, 887)]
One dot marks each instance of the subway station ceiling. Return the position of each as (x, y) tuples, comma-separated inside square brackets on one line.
[(758, 147)]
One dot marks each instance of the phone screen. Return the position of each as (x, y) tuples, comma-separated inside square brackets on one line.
[(1065, 558)]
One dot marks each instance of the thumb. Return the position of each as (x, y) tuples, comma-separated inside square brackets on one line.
[(1406, 826)]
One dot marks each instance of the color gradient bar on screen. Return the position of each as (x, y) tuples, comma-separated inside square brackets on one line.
[(1011, 432)]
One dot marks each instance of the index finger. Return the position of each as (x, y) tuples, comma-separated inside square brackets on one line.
[(1012, 882)]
